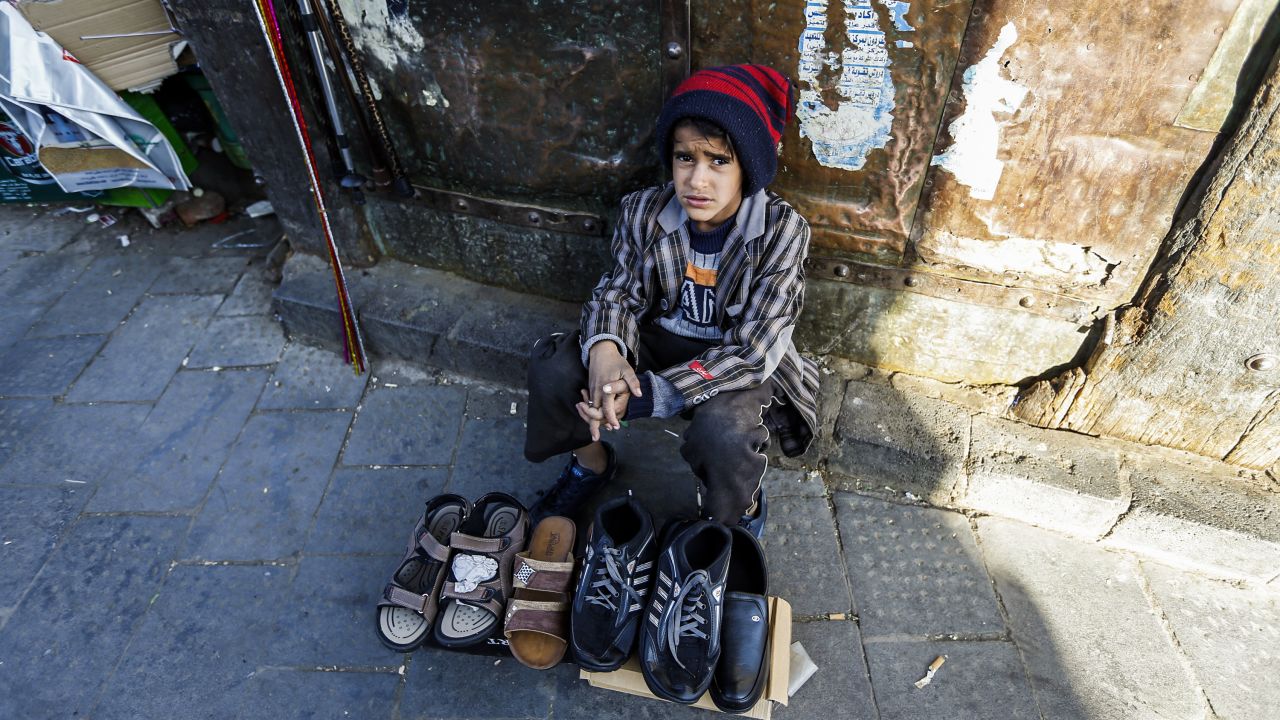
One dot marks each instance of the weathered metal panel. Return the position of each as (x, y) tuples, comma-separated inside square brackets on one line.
[(872, 76), (1214, 95), (1059, 165), (1195, 364), (551, 101)]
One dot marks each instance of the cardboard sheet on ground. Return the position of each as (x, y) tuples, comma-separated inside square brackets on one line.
[(85, 136)]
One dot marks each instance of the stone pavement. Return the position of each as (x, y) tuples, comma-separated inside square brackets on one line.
[(197, 516)]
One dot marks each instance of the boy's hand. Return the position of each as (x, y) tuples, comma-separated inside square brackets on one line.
[(594, 417), (609, 377)]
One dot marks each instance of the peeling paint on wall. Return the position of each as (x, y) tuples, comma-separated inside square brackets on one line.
[(379, 33), (1026, 258), (973, 155), (862, 120)]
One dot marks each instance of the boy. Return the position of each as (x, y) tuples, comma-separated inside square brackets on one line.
[(696, 315)]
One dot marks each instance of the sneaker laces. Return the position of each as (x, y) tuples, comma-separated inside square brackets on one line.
[(683, 617), (610, 589)]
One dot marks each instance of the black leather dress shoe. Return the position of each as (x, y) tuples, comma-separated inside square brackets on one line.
[(743, 668)]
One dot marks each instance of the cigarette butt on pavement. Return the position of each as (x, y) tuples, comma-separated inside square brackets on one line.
[(933, 668)]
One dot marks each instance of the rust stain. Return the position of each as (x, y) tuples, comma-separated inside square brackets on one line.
[(1091, 157)]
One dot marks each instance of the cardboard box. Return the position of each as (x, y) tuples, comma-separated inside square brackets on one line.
[(628, 678), (123, 63)]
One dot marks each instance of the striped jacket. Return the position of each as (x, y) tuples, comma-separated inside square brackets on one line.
[(760, 291)]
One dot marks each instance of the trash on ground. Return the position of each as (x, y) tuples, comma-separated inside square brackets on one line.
[(259, 209), (933, 668), (802, 668), (124, 240), (206, 206), (513, 408)]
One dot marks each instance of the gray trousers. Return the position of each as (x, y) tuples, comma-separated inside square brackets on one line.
[(724, 444)]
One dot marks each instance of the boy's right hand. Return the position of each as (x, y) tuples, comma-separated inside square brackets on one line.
[(607, 368)]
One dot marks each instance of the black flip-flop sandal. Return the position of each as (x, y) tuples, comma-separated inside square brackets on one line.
[(474, 598), (410, 601)]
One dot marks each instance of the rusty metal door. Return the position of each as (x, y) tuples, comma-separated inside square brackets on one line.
[(992, 177)]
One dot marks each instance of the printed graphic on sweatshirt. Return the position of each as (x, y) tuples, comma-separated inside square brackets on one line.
[(696, 314)]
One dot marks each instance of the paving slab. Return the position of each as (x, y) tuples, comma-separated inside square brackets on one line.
[(979, 681), (283, 694), (144, 353), (44, 233), (182, 443), (1093, 645), (803, 555), (1230, 634), (199, 276), (263, 502), (59, 647), (793, 483), (406, 425), (7, 258), (32, 521), (102, 296), (200, 645), (238, 341), (329, 621), (842, 687), (491, 450), (441, 685), (914, 570), (46, 366), (16, 320), (41, 279), (649, 466), (17, 418), (1052, 478), (909, 443), (74, 445), (312, 378), (373, 510), (251, 295)]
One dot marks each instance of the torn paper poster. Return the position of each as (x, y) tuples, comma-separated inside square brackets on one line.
[(85, 136), (863, 118), (975, 135)]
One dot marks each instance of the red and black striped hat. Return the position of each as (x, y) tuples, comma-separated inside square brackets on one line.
[(751, 102)]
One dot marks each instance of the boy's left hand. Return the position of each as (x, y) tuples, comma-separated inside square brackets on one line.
[(615, 407)]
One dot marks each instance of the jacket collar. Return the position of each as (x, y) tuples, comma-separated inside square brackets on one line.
[(750, 216)]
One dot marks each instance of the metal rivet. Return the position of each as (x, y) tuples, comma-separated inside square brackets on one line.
[(534, 218), (1026, 301), (911, 282), (675, 50), (841, 271), (588, 224), (462, 204), (1262, 362)]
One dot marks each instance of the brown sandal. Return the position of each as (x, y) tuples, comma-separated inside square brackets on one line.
[(537, 621)]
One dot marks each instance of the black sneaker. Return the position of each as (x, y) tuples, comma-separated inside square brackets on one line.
[(680, 636), (574, 487), (617, 572)]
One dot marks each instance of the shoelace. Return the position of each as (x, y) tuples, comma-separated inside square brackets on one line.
[(610, 589), (683, 618)]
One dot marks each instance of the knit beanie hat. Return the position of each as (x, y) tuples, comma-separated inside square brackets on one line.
[(751, 102)]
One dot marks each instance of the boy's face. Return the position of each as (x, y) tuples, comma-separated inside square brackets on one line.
[(708, 179)]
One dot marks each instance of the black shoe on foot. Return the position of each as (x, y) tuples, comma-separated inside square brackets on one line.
[(574, 487), (680, 635), (754, 524), (617, 573)]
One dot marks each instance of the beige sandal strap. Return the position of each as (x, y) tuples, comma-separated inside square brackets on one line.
[(543, 617), (542, 575)]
